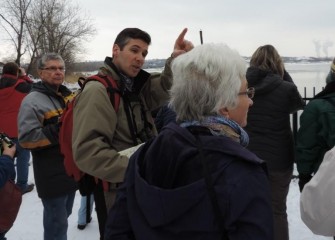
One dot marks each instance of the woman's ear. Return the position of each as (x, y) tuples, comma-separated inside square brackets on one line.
[(224, 112)]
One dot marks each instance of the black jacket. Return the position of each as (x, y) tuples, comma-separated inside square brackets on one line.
[(269, 118)]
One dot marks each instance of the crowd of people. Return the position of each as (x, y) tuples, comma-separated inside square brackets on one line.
[(215, 160)]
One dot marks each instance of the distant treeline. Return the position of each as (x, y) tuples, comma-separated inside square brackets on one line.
[(159, 63), (94, 65)]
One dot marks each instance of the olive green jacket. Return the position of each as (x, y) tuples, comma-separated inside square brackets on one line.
[(99, 132)]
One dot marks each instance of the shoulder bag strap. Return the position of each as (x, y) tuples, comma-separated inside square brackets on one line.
[(211, 191)]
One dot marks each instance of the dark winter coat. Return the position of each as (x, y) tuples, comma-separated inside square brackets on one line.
[(164, 116), (268, 125), (316, 134), (165, 197), (38, 131)]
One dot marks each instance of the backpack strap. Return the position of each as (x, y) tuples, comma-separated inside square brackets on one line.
[(131, 120), (111, 86)]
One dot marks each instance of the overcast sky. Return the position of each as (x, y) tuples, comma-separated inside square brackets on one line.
[(294, 27)]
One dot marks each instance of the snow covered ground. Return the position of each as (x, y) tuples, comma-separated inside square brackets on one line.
[(28, 225)]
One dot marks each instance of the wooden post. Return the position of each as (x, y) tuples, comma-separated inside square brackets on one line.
[(201, 41)]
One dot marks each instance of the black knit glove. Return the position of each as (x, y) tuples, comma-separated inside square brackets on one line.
[(303, 179)]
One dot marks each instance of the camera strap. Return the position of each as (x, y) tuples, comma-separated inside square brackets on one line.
[(130, 119)]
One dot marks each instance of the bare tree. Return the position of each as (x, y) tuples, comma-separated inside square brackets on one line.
[(54, 26), (13, 18), (61, 28)]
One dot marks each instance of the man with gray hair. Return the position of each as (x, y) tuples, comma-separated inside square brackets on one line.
[(38, 131)]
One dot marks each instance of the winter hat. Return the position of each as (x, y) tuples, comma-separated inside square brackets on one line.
[(331, 74)]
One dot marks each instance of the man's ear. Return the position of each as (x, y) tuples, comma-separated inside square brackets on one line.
[(116, 50), (224, 112), (39, 72)]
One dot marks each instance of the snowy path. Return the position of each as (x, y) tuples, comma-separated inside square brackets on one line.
[(28, 225)]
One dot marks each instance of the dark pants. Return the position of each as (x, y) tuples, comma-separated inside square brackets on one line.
[(101, 209), (280, 184)]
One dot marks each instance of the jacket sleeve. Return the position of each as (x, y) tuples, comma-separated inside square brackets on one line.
[(7, 170), (23, 86), (34, 133), (26, 78), (287, 77), (296, 101), (94, 126), (155, 92)]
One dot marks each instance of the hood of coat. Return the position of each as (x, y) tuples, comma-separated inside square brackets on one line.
[(263, 81), (160, 190)]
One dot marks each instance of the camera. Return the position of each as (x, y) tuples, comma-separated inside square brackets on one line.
[(145, 134), (4, 137)]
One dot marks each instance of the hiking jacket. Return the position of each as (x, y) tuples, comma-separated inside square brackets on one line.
[(99, 132), (12, 91), (7, 170), (268, 125), (316, 134), (164, 195), (38, 131)]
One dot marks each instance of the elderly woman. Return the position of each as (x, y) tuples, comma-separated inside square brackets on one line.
[(196, 179)]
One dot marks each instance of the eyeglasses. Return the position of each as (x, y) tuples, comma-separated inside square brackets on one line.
[(250, 92), (54, 69)]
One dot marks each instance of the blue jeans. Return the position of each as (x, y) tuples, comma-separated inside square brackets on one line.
[(22, 166), (55, 214), (82, 209)]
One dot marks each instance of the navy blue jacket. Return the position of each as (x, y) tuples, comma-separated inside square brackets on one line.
[(164, 116), (164, 195)]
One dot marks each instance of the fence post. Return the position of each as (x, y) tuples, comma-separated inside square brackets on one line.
[(295, 125)]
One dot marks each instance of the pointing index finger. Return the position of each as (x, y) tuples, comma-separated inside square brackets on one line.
[(181, 36)]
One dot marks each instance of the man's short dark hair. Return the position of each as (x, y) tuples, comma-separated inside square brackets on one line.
[(10, 68), (131, 33)]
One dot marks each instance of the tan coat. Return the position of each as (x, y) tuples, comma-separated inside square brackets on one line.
[(99, 132)]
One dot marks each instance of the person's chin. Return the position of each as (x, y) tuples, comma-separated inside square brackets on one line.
[(244, 124)]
